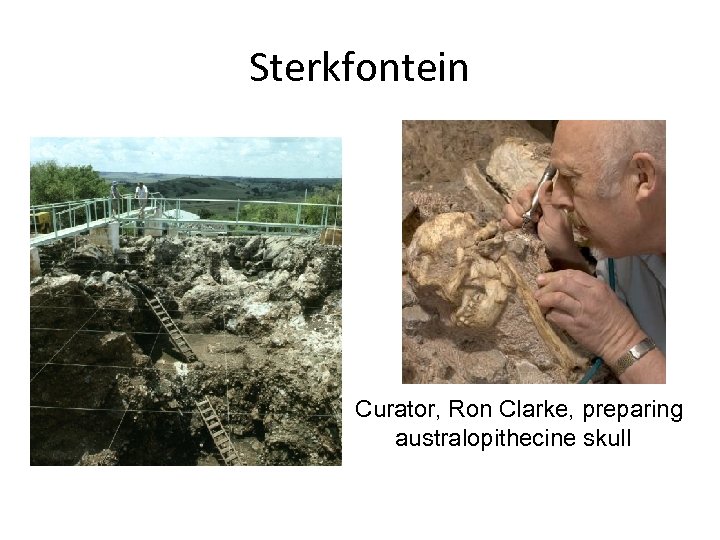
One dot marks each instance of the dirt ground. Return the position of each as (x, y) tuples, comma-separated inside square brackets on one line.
[(108, 387)]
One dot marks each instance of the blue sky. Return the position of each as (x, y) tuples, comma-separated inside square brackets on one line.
[(280, 157)]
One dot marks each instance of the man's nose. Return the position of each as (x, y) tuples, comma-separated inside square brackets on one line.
[(562, 194)]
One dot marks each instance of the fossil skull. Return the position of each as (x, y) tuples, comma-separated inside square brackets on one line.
[(455, 269)]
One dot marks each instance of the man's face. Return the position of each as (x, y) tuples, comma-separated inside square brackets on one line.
[(602, 220)]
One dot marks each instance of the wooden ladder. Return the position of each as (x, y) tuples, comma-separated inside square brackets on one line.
[(217, 431), (177, 338)]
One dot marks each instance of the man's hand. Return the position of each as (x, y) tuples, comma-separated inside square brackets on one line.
[(513, 211), (554, 228), (588, 310)]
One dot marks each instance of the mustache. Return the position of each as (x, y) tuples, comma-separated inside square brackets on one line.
[(575, 220)]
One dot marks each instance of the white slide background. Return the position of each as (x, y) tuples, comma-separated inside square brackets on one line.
[(183, 69)]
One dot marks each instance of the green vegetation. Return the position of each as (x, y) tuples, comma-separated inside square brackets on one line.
[(309, 215), (245, 189), (332, 195), (228, 190), (51, 183)]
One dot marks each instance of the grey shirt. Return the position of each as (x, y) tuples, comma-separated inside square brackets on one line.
[(640, 284)]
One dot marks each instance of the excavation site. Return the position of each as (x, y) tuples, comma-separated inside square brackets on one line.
[(468, 309), (186, 351)]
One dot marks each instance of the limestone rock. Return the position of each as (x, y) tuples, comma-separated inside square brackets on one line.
[(408, 296), (517, 162), (274, 247), (437, 151), (487, 367), (293, 257), (413, 317), (88, 257), (492, 203), (116, 346), (167, 250), (527, 373), (104, 457), (229, 276)]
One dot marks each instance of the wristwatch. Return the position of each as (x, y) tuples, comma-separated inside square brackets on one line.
[(634, 354)]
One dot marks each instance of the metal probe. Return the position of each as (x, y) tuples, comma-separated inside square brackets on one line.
[(547, 176)]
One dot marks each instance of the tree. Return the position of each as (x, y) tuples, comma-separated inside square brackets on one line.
[(51, 183), (287, 213), (261, 213), (324, 195)]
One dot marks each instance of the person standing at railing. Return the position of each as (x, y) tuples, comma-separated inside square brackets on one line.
[(141, 194), (115, 198)]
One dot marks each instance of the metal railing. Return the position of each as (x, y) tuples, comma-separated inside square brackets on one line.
[(247, 216), (52, 218), (76, 216), (215, 216)]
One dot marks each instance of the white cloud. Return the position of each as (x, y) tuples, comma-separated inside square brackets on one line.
[(261, 157)]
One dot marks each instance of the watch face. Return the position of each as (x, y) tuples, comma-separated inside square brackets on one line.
[(642, 348), (634, 354)]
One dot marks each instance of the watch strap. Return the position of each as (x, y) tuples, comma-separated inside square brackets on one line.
[(634, 354)]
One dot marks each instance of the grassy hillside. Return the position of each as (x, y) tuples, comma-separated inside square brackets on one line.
[(258, 189), (232, 189)]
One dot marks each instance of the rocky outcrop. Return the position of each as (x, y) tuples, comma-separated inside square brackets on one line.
[(517, 162), (436, 151), (104, 457), (96, 345)]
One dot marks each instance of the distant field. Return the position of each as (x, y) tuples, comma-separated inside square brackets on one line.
[(133, 177), (232, 188)]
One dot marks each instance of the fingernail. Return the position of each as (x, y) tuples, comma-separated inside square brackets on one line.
[(541, 279)]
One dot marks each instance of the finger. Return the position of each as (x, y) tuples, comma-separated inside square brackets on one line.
[(552, 216), (575, 284), (561, 320), (513, 211), (525, 195), (558, 301), (518, 206), (547, 278), (545, 193), (572, 282), (554, 282), (512, 216), (509, 216), (544, 280)]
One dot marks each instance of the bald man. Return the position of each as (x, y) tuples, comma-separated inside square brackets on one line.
[(610, 187)]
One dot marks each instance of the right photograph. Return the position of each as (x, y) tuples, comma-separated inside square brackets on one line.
[(533, 251)]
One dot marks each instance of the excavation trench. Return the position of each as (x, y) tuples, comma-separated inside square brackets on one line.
[(262, 315)]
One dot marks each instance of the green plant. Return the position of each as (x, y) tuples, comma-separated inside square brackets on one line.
[(52, 183)]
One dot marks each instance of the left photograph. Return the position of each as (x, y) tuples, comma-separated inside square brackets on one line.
[(185, 301)]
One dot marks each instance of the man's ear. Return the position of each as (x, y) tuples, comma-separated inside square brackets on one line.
[(644, 173)]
